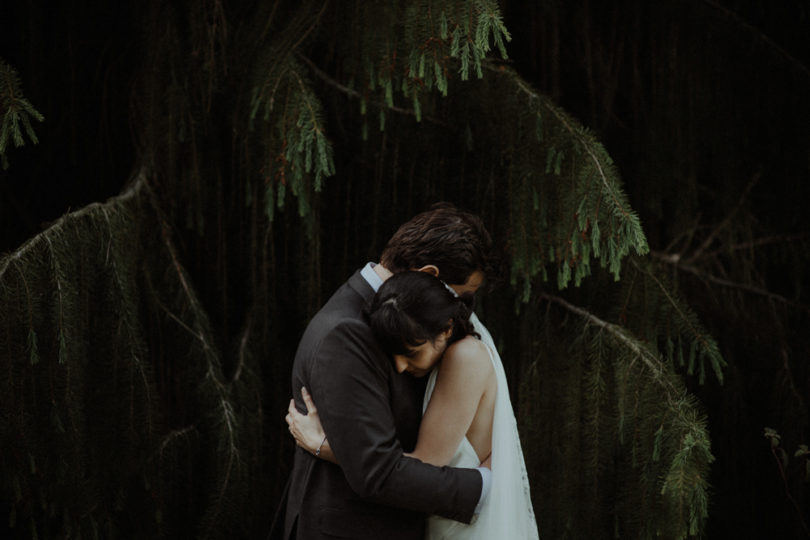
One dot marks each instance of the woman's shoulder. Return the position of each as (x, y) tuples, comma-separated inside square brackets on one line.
[(471, 352)]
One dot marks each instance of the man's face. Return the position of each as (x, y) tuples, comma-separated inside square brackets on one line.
[(467, 290)]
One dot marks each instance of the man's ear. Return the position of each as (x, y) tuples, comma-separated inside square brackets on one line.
[(431, 269)]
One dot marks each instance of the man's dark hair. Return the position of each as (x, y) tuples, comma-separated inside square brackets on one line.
[(453, 240)]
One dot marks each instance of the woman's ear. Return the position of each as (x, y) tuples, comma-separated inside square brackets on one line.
[(431, 269), (449, 332)]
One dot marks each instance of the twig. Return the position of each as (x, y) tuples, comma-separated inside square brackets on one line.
[(173, 435), (322, 75), (758, 242), (799, 512), (181, 277), (317, 20), (723, 224), (675, 260), (242, 346), (268, 22), (768, 41), (179, 321)]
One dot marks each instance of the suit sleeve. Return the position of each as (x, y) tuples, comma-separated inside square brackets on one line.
[(351, 388)]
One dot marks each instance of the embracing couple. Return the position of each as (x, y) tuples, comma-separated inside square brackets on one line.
[(413, 415)]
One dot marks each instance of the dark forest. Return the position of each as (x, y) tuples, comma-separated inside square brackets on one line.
[(183, 184)]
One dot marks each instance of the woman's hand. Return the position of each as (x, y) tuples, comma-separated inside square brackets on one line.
[(306, 429)]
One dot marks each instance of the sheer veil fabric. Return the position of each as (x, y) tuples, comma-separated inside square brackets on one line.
[(507, 511)]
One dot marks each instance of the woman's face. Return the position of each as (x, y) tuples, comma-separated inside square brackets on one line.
[(421, 359)]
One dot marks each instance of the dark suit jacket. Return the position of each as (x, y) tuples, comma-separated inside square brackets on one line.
[(370, 413)]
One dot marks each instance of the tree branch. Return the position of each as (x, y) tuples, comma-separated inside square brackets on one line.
[(788, 494), (757, 242), (675, 261), (723, 224), (60, 223), (571, 130), (649, 359), (735, 18), (355, 94)]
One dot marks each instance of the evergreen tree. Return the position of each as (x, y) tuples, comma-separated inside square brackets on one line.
[(147, 340)]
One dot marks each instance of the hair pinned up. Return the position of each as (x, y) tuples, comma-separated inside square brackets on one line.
[(412, 308)]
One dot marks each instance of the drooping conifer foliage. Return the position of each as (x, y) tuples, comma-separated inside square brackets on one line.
[(17, 113), (147, 340), (118, 420)]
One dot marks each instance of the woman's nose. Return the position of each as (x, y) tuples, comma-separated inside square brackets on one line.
[(400, 363)]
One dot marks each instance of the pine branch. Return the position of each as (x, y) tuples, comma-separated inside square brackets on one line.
[(670, 445), (626, 214), (567, 209), (641, 352), (61, 223), (684, 316), (14, 110), (355, 94)]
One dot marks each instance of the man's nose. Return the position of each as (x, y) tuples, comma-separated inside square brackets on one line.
[(401, 364)]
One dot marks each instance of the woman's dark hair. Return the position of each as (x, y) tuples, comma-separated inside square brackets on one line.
[(412, 308)]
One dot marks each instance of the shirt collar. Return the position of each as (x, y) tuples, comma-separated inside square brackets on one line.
[(371, 277)]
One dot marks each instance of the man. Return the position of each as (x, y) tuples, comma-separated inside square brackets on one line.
[(371, 409)]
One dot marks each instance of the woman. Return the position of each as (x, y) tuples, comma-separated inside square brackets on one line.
[(468, 417)]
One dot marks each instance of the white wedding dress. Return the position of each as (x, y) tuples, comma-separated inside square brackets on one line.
[(507, 511)]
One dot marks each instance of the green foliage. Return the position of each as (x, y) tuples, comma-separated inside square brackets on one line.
[(234, 114), (16, 112), (115, 409), (627, 442), (648, 304), (565, 199), (406, 48), (411, 48), (299, 154)]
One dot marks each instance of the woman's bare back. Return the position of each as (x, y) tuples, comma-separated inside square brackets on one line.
[(461, 405)]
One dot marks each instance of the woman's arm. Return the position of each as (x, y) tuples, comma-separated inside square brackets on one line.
[(465, 384), (307, 429), (461, 404)]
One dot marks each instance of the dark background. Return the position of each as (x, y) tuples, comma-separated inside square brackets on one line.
[(696, 101)]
